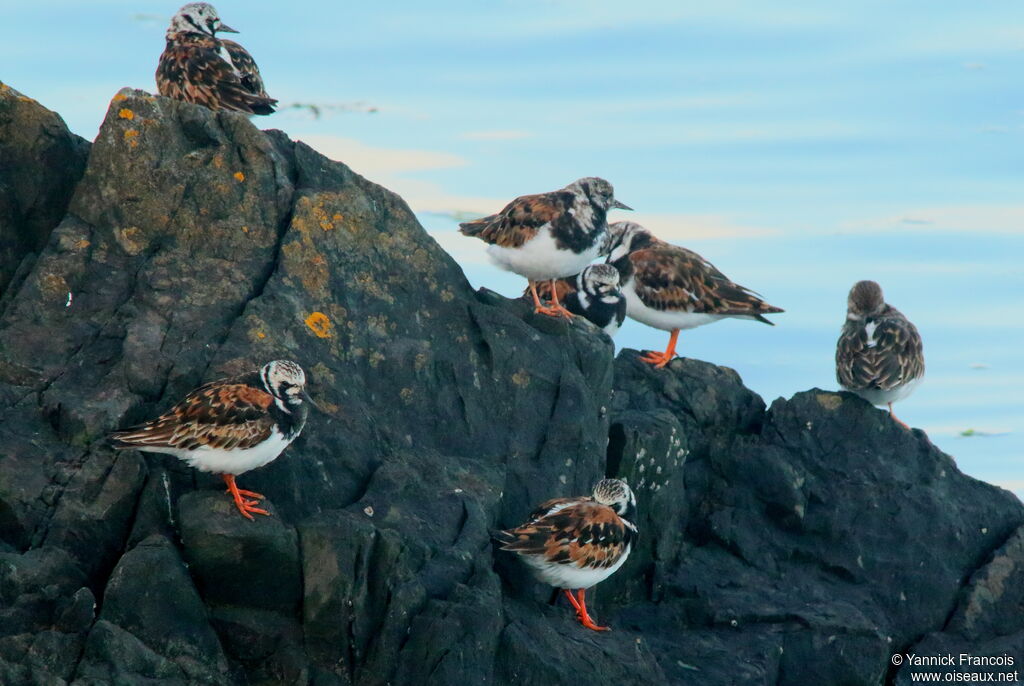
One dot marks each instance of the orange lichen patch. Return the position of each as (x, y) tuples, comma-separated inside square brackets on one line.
[(245, 229), (322, 218), (119, 97), (319, 324), (260, 335), (130, 135), (239, 176), (82, 244), (126, 113)]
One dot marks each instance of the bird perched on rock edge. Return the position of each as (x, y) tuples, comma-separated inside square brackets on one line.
[(672, 288), (200, 68), (549, 235), (576, 543), (230, 426), (592, 294), (879, 355)]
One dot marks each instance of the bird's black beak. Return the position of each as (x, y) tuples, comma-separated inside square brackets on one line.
[(305, 396), (621, 206), (224, 28)]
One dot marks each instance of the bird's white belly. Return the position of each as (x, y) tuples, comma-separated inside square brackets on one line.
[(540, 257), (238, 461), (877, 396), (571, 576), (666, 320)]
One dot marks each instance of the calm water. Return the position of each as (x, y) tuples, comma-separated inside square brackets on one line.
[(798, 147)]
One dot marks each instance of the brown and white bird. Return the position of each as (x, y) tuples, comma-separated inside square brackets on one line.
[(230, 426), (592, 294), (879, 356), (550, 235), (672, 288), (576, 543), (200, 68)]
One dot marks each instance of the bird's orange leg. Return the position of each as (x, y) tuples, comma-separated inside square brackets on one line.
[(556, 309), (572, 599), (244, 506), (659, 360), (584, 616), (897, 420)]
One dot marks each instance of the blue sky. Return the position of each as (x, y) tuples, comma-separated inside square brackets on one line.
[(800, 146)]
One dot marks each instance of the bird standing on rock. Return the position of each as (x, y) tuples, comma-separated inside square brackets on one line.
[(200, 68), (230, 426), (550, 235), (879, 355), (576, 543), (672, 288), (592, 294)]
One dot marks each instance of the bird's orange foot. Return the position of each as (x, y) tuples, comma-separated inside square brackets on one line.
[(248, 494), (656, 358), (586, 621), (248, 508), (554, 311)]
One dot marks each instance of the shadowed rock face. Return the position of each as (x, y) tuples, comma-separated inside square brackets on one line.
[(800, 544)]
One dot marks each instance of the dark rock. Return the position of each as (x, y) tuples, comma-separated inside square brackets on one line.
[(153, 623), (237, 561), (802, 544), (40, 164)]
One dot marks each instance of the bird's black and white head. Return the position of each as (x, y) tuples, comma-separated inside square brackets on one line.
[(617, 495), (600, 282), (198, 17), (286, 381), (598, 191), (623, 238), (865, 300)]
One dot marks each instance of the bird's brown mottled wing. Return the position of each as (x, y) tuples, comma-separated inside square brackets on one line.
[(520, 220), (193, 71), (222, 414), (672, 278), (896, 357), (245, 65), (584, 534)]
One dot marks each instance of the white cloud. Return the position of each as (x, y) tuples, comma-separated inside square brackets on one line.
[(1005, 219)]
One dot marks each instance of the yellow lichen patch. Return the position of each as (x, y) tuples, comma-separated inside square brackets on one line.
[(447, 295), (521, 378), (829, 401), (245, 229), (239, 176), (406, 395), (126, 113), (128, 239), (319, 324), (130, 135), (375, 359), (320, 375)]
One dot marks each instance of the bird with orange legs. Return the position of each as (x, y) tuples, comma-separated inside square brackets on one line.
[(230, 426), (575, 543), (549, 236), (672, 288)]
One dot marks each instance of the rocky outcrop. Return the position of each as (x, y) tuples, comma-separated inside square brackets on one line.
[(40, 164), (804, 543)]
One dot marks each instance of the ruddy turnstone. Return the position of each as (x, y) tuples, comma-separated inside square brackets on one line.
[(200, 68), (230, 426), (593, 294), (576, 543), (672, 288), (549, 235), (879, 355)]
